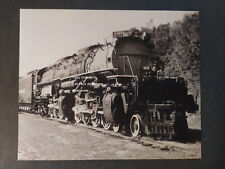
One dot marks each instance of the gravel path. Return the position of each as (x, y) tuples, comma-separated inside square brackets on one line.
[(41, 139)]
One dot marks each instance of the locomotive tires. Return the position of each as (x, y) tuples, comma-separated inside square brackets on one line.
[(106, 124), (95, 120), (135, 125), (86, 119), (55, 113), (77, 117), (116, 128), (61, 116)]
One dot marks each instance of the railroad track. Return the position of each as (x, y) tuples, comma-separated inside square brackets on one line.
[(143, 140)]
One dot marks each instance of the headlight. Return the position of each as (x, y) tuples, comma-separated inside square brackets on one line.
[(146, 68)]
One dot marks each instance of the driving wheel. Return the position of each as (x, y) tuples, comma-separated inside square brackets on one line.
[(135, 125), (106, 124), (86, 119), (116, 128), (77, 117), (95, 120)]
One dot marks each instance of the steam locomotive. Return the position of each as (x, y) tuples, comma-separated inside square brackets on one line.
[(118, 84)]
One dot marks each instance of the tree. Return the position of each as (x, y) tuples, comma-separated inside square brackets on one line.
[(178, 46)]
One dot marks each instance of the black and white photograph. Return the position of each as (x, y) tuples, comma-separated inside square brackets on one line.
[(109, 85)]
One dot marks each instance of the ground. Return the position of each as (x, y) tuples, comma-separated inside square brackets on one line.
[(42, 139)]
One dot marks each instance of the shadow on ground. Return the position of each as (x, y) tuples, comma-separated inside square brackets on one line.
[(193, 136)]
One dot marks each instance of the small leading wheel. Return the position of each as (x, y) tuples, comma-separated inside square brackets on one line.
[(95, 120), (106, 124), (116, 128), (135, 125), (77, 117), (86, 119)]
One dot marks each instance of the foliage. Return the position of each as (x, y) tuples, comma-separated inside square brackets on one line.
[(178, 46)]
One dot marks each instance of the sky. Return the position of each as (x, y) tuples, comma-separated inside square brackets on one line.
[(47, 35)]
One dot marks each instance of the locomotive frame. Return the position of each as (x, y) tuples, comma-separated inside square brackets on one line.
[(128, 92)]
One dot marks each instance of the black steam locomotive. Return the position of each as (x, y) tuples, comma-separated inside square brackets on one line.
[(118, 84)]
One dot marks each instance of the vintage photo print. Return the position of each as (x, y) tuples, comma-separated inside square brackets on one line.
[(109, 85)]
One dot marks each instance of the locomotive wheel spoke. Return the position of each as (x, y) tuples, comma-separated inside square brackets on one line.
[(116, 128), (106, 124), (44, 112), (86, 118), (61, 116), (54, 113), (135, 126), (95, 121), (77, 117)]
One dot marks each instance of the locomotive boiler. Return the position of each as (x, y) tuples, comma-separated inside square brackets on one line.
[(118, 85)]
